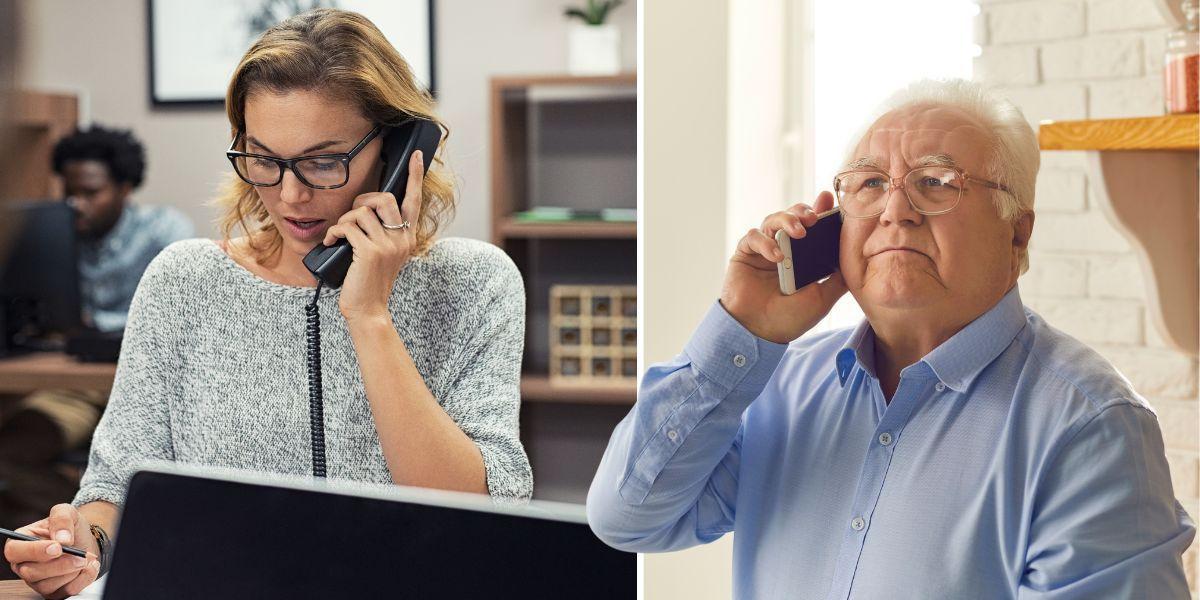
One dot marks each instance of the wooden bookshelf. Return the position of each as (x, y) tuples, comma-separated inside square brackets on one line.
[(516, 156), (566, 141), (40, 120), (539, 388), (511, 143), (1169, 132)]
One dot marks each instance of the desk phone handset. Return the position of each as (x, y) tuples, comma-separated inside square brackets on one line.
[(329, 264)]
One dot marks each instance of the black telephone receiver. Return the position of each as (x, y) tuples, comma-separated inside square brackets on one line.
[(330, 263)]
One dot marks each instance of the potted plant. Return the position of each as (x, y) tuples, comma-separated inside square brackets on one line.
[(593, 47)]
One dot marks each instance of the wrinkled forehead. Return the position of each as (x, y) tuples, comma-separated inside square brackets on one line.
[(901, 139)]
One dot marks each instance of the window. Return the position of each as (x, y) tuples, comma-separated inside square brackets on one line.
[(844, 59)]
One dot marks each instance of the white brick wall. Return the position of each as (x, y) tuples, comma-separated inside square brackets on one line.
[(1085, 232), (1090, 321), (1061, 190), (1059, 101), (1178, 420), (1154, 373), (1122, 15), (1081, 59), (1125, 97), (1032, 21), (1115, 277), (1009, 65), (1056, 275), (1099, 57)]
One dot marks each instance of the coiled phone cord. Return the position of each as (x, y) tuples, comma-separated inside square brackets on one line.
[(316, 408)]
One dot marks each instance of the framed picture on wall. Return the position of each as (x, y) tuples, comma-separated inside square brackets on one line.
[(195, 46)]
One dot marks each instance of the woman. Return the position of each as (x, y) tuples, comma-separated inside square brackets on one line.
[(421, 346)]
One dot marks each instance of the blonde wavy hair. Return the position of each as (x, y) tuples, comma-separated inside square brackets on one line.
[(341, 54)]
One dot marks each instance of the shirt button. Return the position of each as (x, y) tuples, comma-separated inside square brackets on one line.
[(857, 524), (941, 387), (739, 360), (885, 438), (672, 434)]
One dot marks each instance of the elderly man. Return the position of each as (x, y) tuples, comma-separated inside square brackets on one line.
[(952, 445)]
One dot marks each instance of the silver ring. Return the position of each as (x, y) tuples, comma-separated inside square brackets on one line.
[(404, 225)]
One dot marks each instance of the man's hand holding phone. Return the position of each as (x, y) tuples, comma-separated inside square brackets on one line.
[(751, 289), (43, 565)]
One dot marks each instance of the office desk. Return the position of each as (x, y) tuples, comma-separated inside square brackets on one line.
[(45, 370), (15, 589)]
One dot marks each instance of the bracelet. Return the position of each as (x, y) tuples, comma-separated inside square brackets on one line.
[(105, 544)]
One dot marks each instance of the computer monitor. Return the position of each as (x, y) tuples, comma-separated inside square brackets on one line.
[(189, 532), (39, 275)]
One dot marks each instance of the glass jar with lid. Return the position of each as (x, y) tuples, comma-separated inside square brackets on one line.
[(1181, 70)]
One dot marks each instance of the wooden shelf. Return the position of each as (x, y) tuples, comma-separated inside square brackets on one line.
[(568, 141), (1143, 177), (28, 373), (1171, 132), (538, 388), (514, 137), (527, 81), (40, 119), (511, 228)]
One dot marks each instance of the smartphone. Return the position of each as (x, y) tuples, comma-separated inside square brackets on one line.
[(330, 263), (812, 257)]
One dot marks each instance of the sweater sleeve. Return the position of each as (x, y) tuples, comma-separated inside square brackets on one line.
[(484, 398), (136, 425)]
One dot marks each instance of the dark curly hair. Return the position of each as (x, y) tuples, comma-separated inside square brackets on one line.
[(122, 153)]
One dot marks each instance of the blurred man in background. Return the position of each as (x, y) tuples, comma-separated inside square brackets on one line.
[(117, 239), (100, 168)]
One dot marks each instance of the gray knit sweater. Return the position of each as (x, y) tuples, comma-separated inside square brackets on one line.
[(212, 369)]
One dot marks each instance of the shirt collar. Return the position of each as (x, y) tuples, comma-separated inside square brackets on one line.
[(119, 232), (859, 348), (958, 360)]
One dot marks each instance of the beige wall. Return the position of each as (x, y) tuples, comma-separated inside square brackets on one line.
[(98, 49), (685, 174)]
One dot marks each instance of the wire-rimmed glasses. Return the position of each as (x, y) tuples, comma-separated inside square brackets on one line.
[(931, 190)]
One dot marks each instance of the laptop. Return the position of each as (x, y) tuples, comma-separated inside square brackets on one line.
[(190, 532)]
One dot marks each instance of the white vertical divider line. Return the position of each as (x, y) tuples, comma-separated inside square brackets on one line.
[(640, 252)]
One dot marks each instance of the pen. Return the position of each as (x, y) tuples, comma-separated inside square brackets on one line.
[(28, 538)]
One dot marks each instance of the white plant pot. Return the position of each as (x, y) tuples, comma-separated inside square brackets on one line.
[(593, 49)]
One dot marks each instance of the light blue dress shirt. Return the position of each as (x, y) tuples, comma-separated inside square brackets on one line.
[(1012, 462)]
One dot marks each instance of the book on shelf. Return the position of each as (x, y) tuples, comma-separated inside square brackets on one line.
[(561, 214)]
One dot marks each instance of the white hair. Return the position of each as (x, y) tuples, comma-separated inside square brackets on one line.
[(1013, 153)]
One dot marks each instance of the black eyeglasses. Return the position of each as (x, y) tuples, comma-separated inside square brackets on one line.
[(320, 171)]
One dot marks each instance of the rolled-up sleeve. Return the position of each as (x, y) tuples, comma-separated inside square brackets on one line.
[(485, 398), (136, 425), (668, 479), (1105, 522)]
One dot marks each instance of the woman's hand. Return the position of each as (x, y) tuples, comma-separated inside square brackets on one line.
[(379, 253), (44, 566), (751, 290)]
